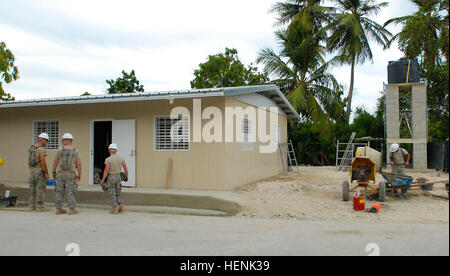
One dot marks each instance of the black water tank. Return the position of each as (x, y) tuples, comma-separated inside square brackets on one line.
[(398, 71)]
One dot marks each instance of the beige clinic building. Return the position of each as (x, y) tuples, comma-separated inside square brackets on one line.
[(141, 125)]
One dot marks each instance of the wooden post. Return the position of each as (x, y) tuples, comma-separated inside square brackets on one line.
[(337, 156), (169, 174), (2, 190)]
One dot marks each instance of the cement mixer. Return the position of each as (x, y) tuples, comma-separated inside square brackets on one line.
[(362, 174)]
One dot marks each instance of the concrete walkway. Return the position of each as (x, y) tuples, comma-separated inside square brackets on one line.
[(215, 203)]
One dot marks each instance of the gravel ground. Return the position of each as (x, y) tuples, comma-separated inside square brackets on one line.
[(315, 194)]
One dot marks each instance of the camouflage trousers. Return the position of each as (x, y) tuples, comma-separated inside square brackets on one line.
[(37, 189), (66, 184), (398, 169), (114, 189)]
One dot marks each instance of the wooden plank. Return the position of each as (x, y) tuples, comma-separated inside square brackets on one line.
[(2, 190), (169, 174)]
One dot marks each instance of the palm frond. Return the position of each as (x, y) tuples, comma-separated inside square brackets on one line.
[(397, 20), (274, 65)]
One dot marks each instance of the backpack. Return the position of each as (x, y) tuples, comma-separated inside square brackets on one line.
[(66, 159), (32, 162)]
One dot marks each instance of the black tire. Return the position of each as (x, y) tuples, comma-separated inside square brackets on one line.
[(382, 192), (346, 191)]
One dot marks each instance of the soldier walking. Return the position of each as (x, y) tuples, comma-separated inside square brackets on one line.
[(38, 173), (68, 163), (113, 170)]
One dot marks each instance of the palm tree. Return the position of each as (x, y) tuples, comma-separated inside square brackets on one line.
[(303, 13), (301, 73), (424, 31), (350, 33)]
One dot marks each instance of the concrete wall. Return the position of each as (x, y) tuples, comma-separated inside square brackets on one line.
[(419, 122), (206, 166), (419, 112), (243, 167), (393, 111)]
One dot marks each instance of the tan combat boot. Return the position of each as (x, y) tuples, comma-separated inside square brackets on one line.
[(121, 208), (114, 211), (73, 211), (42, 209), (60, 211)]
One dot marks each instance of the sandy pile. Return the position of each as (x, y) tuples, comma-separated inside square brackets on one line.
[(316, 194)]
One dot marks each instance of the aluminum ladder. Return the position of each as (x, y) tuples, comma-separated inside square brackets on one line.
[(348, 154), (292, 157), (287, 149)]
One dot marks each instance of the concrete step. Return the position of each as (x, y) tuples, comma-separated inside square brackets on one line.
[(172, 202), (23, 207)]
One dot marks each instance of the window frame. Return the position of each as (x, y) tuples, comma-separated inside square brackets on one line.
[(172, 149), (34, 134), (246, 145)]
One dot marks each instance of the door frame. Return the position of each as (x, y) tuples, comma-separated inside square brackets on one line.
[(91, 151)]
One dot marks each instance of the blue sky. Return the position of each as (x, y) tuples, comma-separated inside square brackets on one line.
[(64, 48)]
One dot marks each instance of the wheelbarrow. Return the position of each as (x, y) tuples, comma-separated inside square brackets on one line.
[(395, 182)]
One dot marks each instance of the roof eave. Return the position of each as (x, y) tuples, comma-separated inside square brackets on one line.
[(271, 91)]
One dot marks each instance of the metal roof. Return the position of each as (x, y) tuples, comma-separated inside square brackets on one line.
[(270, 91)]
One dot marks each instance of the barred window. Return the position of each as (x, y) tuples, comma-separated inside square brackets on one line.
[(247, 130), (51, 127), (172, 134)]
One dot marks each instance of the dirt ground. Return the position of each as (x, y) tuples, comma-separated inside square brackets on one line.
[(315, 193)]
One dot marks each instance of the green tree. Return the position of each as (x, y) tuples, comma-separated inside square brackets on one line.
[(350, 35), (226, 70), (302, 74), (424, 33), (309, 13), (367, 125), (438, 102), (310, 146), (128, 83), (314, 149), (425, 36), (8, 72)]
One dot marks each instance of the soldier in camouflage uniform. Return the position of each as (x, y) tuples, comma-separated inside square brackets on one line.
[(38, 173), (113, 170), (68, 163)]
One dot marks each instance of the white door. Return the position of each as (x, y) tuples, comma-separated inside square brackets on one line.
[(124, 135)]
